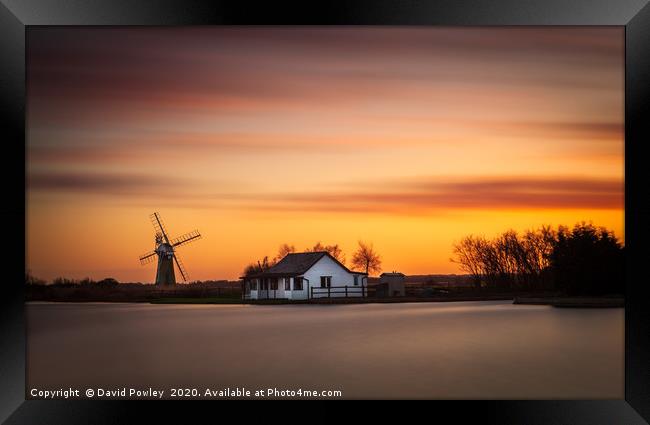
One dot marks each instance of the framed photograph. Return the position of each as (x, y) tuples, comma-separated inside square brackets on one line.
[(440, 201)]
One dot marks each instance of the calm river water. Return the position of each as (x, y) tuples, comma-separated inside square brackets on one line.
[(493, 350)]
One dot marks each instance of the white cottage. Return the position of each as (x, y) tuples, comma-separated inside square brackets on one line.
[(305, 275)]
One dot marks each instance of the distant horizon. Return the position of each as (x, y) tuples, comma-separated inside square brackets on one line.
[(406, 138)]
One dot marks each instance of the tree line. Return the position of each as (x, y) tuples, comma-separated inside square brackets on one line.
[(67, 282), (584, 260), (364, 258), (63, 282)]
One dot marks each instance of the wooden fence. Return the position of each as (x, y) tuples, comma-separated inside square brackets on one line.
[(338, 291)]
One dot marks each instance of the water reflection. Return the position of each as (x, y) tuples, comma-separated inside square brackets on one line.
[(416, 350)]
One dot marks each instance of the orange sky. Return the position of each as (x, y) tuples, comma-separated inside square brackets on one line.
[(409, 138)]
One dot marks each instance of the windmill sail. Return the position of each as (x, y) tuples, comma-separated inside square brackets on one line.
[(181, 268), (147, 258), (158, 225), (185, 239)]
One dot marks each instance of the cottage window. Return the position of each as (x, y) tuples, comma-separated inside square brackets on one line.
[(254, 285), (325, 281), (297, 284), (287, 284), (274, 284), (356, 280)]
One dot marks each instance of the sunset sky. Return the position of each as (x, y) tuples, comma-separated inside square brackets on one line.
[(409, 138)]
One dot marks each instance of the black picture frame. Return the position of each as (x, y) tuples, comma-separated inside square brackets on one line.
[(16, 15)]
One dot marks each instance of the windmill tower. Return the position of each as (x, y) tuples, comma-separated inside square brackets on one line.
[(166, 252)]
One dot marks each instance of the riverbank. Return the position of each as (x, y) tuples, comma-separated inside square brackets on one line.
[(338, 300), (555, 301), (196, 294)]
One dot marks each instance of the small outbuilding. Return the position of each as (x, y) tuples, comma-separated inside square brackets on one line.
[(391, 285)]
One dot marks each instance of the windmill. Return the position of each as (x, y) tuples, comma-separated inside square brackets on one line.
[(166, 252)]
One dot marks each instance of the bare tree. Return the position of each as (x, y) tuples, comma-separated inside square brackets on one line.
[(538, 245), (283, 251), (259, 267), (467, 254), (366, 258), (511, 258), (334, 250)]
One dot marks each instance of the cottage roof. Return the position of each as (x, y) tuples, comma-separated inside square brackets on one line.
[(298, 263)]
